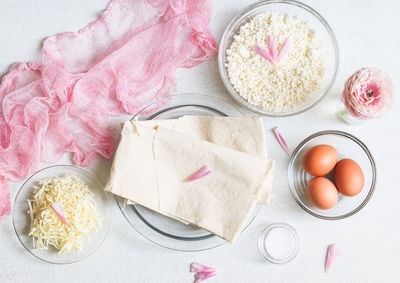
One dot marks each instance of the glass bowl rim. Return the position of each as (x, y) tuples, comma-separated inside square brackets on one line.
[(221, 243), (361, 145), (228, 84), (186, 95), (107, 208)]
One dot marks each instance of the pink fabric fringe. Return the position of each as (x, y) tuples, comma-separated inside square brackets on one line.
[(117, 64), (5, 205)]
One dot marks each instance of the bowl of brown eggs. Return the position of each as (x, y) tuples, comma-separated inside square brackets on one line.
[(332, 175)]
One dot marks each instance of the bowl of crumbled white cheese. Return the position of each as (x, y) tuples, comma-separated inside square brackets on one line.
[(278, 58)]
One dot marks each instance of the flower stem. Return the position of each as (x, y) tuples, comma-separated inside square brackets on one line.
[(348, 118)]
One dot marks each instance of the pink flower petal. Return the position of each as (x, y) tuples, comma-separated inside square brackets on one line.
[(260, 51), (281, 140), (273, 56), (57, 207), (285, 49), (201, 276), (202, 172), (332, 253), (198, 267), (271, 42)]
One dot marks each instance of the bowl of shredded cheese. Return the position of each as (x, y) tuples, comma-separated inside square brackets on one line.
[(278, 58), (61, 214)]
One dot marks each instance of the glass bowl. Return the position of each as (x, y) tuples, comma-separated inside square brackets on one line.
[(270, 247), (22, 221), (347, 146), (160, 229), (316, 22)]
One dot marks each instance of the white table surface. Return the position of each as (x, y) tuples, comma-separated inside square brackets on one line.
[(367, 32)]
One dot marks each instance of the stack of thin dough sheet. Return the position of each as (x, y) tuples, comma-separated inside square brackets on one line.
[(154, 158)]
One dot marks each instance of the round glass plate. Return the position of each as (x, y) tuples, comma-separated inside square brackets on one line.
[(160, 229), (22, 221)]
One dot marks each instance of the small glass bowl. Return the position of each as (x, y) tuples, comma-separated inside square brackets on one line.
[(347, 146), (263, 247), (316, 22), (22, 221)]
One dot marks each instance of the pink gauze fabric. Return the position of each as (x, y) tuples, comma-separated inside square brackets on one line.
[(118, 64)]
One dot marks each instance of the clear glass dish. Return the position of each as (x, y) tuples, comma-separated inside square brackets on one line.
[(315, 20), (157, 228), (347, 146), (264, 246), (22, 221)]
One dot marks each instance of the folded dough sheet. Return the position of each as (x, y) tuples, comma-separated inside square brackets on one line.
[(244, 134), (154, 158)]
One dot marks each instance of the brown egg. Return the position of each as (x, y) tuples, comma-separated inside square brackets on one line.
[(320, 160), (349, 178), (322, 193)]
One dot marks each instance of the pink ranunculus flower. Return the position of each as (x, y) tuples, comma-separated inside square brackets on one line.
[(368, 93)]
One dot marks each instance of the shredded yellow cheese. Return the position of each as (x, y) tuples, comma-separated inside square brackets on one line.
[(79, 207)]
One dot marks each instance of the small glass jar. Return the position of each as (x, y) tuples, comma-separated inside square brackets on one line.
[(346, 116), (279, 243)]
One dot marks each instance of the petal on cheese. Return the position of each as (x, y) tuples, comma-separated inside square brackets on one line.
[(79, 207)]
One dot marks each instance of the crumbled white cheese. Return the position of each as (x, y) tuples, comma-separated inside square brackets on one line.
[(80, 211), (281, 86)]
